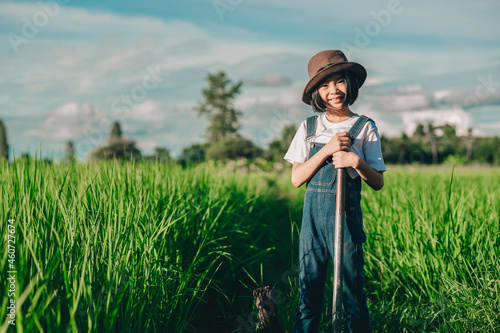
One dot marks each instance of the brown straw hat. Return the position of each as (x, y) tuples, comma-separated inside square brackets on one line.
[(326, 63)]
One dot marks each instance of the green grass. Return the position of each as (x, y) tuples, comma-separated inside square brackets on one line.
[(130, 247), (154, 247), (436, 234)]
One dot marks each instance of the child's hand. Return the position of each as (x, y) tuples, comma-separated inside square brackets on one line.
[(342, 159), (339, 142)]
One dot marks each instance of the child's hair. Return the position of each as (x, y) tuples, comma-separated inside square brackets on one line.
[(352, 88)]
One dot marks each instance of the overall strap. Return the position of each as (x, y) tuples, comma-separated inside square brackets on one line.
[(358, 125), (311, 127)]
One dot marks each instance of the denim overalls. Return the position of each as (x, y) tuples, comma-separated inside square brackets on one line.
[(317, 243)]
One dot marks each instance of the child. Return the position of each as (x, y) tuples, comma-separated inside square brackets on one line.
[(337, 138)]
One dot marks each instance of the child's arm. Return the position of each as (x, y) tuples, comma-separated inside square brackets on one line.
[(301, 172), (374, 178)]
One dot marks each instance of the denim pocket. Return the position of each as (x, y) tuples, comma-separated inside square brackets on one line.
[(326, 174)]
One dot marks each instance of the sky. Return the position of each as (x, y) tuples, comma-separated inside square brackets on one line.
[(68, 69)]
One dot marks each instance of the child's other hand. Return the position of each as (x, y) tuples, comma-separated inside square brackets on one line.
[(342, 159), (339, 142)]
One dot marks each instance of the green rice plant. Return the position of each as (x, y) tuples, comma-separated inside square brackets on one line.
[(433, 238), (134, 247)]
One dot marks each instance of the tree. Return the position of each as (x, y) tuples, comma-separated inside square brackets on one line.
[(405, 150), (116, 131), (278, 148), (4, 147), (450, 145), (70, 151), (193, 154), (218, 105), (468, 142), (224, 142), (432, 139), (162, 154), (117, 147), (232, 149), (488, 150), (25, 157), (419, 131)]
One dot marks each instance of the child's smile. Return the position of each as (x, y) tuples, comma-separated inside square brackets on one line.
[(336, 99), (332, 91)]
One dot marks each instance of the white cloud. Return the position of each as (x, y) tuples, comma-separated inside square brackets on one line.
[(83, 23), (69, 121), (246, 102), (410, 89), (373, 81), (442, 94), (147, 111), (271, 80), (71, 109), (493, 125), (404, 101), (468, 99), (290, 98), (385, 123)]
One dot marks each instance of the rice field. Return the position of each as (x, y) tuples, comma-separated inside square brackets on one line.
[(156, 248)]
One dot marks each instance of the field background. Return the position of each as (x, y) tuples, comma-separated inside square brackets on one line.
[(155, 247)]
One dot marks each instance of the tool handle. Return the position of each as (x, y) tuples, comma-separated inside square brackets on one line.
[(338, 253)]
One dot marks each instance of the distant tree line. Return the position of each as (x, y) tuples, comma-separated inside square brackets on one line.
[(433, 145)]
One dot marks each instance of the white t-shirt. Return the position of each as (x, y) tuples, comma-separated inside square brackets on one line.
[(366, 145)]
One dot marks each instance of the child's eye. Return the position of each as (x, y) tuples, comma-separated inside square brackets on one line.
[(341, 81)]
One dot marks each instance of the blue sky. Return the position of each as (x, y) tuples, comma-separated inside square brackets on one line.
[(68, 68)]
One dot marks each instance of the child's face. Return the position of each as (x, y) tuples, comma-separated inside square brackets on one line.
[(332, 91)]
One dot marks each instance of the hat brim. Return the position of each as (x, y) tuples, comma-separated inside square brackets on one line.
[(347, 66)]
